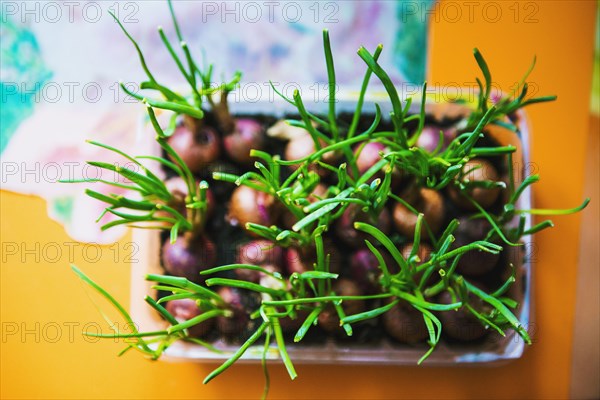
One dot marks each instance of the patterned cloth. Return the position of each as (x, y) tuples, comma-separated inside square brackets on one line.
[(61, 64)]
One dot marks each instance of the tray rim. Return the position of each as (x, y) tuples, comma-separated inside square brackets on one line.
[(387, 353)]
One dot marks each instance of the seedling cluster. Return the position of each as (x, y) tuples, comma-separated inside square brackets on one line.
[(344, 226)]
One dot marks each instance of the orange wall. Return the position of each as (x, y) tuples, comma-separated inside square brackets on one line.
[(71, 367)]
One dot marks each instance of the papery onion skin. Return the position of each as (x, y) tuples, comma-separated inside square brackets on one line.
[(344, 226), (248, 205), (429, 139), (188, 256), (302, 259), (247, 135), (430, 203), (365, 269), (185, 309), (480, 170), (233, 325), (196, 149)]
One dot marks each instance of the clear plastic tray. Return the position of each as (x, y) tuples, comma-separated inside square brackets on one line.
[(494, 349)]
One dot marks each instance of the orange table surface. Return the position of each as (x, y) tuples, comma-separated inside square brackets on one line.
[(46, 303)]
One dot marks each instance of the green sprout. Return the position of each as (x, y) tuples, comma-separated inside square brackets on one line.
[(153, 206), (404, 281)]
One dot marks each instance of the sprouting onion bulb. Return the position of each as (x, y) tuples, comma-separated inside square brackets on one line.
[(248, 205), (184, 310), (426, 201), (247, 135), (188, 256), (476, 172), (198, 147)]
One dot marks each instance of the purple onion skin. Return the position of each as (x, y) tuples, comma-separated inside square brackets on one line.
[(299, 260), (365, 271), (237, 323), (429, 139), (295, 262), (250, 205), (461, 324), (253, 276), (196, 149), (248, 134), (263, 253), (474, 262), (178, 188), (260, 252), (303, 146), (188, 257), (345, 224), (405, 323), (369, 156), (299, 147), (185, 309)]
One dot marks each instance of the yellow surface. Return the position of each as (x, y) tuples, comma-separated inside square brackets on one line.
[(60, 363)]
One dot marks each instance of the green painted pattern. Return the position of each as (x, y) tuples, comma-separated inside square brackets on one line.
[(411, 40), (62, 208), (22, 76)]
